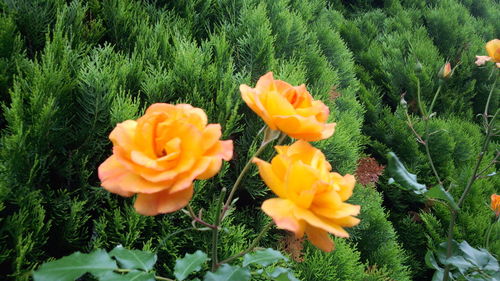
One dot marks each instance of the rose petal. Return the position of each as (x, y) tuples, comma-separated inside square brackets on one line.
[(318, 222), (281, 210), (270, 178), (319, 238), (162, 202), (108, 172)]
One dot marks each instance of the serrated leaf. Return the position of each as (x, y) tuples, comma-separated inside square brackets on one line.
[(188, 264), (263, 257), (399, 174), (134, 275), (134, 259), (75, 265), (282, 274), (439, 192), (227, 272)]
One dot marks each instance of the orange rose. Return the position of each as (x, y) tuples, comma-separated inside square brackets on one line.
[(495, 204), (289, 109), (493, 49), (159, 155), (311, 198)]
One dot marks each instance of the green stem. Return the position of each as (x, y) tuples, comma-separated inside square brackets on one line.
[(199, 220), (471, 180), (240, 178), (215, 231), (420, 104), (251, 247), (435, 98), (489, 96)]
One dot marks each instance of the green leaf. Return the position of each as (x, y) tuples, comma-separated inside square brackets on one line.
[(188, 264), (439, 192), (430, 260), (400, 175), (134, 275), (134, 259), (263, 257), (228, 273), (282, 274), (75, 265)]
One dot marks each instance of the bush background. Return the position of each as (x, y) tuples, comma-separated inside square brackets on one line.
[(71, 70)]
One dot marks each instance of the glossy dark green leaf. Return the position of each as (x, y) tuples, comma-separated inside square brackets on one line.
[(282, 274), (75, 265), (263, 257), (188, 264), (399, 174), (133, 259), (134, 275), (227, 272), (439, 192), (430, 260)]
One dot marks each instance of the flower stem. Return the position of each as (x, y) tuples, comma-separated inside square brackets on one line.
[(215, 231), (199, 220), (472, 179), (435, 97), (251, 247), (240, 178)]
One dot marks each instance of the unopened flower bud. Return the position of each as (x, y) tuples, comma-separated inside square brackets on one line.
[(418, 67), (445, 71)]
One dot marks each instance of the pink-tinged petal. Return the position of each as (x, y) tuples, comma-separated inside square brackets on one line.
[(108, 172), (481, 60), (123, 135), (318, 222), (319, 238), (328, 130), (186, 179), (281, 211), (210, 136), (162, 202), (195, 116), (270, 178), (143, 160), (227, 150), (212, 169), (265, 83)]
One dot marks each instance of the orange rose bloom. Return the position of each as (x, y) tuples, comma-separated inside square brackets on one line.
[(493, 49), (289, 109), (311, 198), (495, 204), (159, 155)]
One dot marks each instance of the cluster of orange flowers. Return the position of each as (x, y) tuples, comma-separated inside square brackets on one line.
[(159, 156)]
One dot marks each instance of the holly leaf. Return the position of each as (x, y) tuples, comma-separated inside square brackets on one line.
[(263, 257), (227, 272), (405, 179), (75, 265), (439, 192), (188, 264), (133, 259)]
